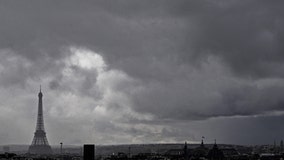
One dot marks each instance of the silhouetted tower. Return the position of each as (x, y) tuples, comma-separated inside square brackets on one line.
[(215, 153), (202, 143), (281, 146), (185, 150), (40, 144), (275, 147)]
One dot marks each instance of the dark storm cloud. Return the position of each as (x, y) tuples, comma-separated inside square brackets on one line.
[(161, 62), (247, 35)]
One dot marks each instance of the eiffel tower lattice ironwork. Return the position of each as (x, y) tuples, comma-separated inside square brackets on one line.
[(40, 144)]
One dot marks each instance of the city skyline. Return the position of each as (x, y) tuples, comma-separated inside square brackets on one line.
[(131, 72)]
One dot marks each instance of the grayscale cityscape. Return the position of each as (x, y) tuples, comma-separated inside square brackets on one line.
[(142, 80)]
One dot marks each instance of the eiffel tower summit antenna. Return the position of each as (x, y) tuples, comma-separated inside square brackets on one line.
[(40, 144)]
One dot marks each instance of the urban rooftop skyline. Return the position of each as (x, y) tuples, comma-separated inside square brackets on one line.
[(137, 72)]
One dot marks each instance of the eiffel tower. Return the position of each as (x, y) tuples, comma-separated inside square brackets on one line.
[(40, 144)]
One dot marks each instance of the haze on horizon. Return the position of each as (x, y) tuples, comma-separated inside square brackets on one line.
[(133, 71)]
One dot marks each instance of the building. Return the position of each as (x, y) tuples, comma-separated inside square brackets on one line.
[(215, 153), (89, 152), (200, 152)]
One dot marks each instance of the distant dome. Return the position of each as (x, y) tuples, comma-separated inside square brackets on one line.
[(200, 151), (215, 153)]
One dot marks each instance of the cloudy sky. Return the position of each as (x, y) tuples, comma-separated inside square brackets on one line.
[(132, 71)]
